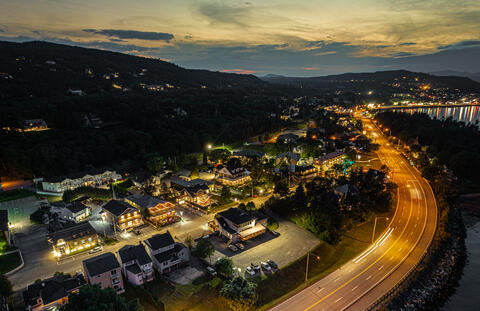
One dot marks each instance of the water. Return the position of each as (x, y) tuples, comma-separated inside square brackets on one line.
[(466, 297), (468, 114)]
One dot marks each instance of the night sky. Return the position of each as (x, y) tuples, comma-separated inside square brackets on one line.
[(295, 38)]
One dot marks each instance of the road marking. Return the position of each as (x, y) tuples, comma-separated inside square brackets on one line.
[(336, 279), (338, 299), (354, 288), (380, 268), (391, 257), (369, 277), (320, 289)]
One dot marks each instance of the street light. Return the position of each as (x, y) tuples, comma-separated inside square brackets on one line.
[(375, 225), (306, 269)]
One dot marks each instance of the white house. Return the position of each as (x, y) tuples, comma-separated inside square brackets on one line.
[(165, 253), (76, 211), (88, 178), (137, 266)]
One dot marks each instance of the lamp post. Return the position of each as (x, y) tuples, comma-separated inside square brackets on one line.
[(375, 225), (306, 269)]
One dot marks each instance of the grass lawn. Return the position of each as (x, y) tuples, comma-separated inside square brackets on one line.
[(9, 262), (51, 198), (15, 194)]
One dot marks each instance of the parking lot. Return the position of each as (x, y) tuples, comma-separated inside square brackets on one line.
[(292, 243)]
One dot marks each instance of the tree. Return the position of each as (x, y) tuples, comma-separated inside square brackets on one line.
[(155, 164), (226, 193), (224, 267), (300, 196), (188, 241), (93, 298), (204, 249), (281, 188), (240, 293), (250, 206), (6, 289)]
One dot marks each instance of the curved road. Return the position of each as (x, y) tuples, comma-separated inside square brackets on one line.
[(369, 276)]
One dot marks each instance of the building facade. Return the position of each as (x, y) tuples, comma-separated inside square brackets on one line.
[(155, 210), (121, 215), (77, 238), (238, 225), (137, 266), (166, 253), (105, 271), (92, 178), (233, 176)]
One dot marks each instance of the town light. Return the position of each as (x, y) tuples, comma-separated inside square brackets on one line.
[(209, 146)]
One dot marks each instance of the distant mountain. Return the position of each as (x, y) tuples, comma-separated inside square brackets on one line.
[(44, 69), (271, 76), (473, 76), (387, 80)]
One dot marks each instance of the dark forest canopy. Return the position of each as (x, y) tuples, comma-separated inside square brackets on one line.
[(446, 142)]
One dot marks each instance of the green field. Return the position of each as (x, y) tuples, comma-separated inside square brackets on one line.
[(14, 195)]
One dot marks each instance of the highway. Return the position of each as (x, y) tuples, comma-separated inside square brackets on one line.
[(368, 277)]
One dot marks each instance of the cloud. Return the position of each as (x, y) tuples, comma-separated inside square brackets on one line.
[(132, 34), (403, 54), (312, 68), (461, 44), (407, 44), (240, 71), (226, 14)]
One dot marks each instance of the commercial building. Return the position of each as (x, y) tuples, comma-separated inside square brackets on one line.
[(324, 163), (196, 192), (155, 210), (166, 253), (76, 238), (76, 211), (238, 225), (51, 294), (233, 176), (105, 271), (137, 266), (92, 178), (121, 215)]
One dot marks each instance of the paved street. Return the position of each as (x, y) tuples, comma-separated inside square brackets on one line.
[(365, 279)]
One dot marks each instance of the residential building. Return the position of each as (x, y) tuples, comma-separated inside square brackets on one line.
[(287, 138), (92, 178), (238, 225), (51, 294), (326, 162), (76, 211), (303, 173), (4, 227), (105, 271), (196, 192), (33, 125), (233, 175), (155, 210), (137, 266), (249, 153), (288, 158), (345, 190), (121, 215), (76, 238), (166, 253)]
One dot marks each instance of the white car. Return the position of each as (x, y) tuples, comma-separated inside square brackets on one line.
[(96, 250), (266, 267), (233, 248), (250, 271), (211, 271)]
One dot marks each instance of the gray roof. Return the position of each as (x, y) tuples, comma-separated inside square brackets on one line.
[(330, 156), (190, 183), (289, 155), (101, 264), (135, 269), (73, 232), (3, 220), (76, 207), (144, 201), (160, 240), (117, 207), (134, 252), (347, 189), (171, 254), (75, 175), (236, 215), (52, 289)]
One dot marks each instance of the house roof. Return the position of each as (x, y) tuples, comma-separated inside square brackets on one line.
[(135, 269), (224, 225), (347, 189), (52, 289), (289, 155), (76, 175), (76, 207), (145, 201), (171, 254), (236, 215), (190, 183), (117, 207), (3, 220), (134, 252), (331, 155), (73, 232), (160, 240), (101, 264), (288, 136)]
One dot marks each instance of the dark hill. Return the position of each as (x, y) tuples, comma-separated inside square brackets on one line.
[(47, 69)]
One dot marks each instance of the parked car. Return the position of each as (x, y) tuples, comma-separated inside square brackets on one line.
[(240, 245), (250, 271), (275, 233), (211, 271), (266, 267), (233, 248), (206, 236), (272, 264), (255, 266), (137, 232), (96, 249)]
